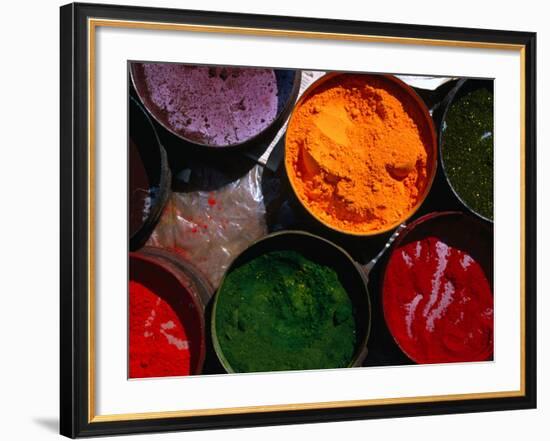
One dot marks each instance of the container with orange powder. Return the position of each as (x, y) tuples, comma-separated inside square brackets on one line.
[(360, 152)]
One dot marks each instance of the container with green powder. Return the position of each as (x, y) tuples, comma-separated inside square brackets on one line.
[(291, 301), (467, 145)]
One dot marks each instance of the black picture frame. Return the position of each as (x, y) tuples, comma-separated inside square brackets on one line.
[(75, 414)]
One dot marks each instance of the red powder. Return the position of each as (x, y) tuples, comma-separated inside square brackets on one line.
[(159, 346), (211, 201), (438, 303)]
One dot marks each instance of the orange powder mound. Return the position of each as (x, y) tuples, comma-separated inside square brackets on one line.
[(357, 151)]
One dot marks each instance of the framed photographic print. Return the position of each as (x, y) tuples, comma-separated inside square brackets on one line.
[(272, 220)]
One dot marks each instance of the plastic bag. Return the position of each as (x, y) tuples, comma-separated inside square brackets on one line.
[(214, 218)]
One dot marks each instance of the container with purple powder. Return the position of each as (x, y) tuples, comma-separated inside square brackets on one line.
[(213, 106)]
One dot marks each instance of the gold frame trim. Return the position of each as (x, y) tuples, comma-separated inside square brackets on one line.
[(92, 25)]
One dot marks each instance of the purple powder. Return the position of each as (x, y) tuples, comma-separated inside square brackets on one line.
[(218, 106)]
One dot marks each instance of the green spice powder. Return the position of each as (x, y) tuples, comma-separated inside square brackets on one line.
[(281, 311), (468, 150)]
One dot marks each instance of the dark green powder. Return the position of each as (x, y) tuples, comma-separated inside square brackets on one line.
[(281, 311), (468, 150)]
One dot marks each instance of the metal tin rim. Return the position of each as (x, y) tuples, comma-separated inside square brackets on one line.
[(427, 117), (196, 277), (361, 349), (237, 146), (398, 240), (450, 100), (174, 272)]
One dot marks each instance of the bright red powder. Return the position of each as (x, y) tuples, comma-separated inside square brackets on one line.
[(438, 303), (159, 346)]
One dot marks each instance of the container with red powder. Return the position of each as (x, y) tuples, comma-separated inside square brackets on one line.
[(438, 289), (166, 316)]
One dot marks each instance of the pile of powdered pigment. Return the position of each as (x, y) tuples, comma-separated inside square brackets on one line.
[(468, 150), (281, 311), (158, 343), (438, 301), (217, 106), (357, 153)]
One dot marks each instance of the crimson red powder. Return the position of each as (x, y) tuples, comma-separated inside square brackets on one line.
[(159, 346), (438, 303)]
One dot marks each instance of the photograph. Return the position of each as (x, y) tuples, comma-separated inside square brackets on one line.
[(333, 231)]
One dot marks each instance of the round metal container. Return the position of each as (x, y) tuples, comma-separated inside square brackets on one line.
[(432, 148), (463, 87), (321, 251), (148, 170), (182, 287), (138, 79), (423, 227)]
